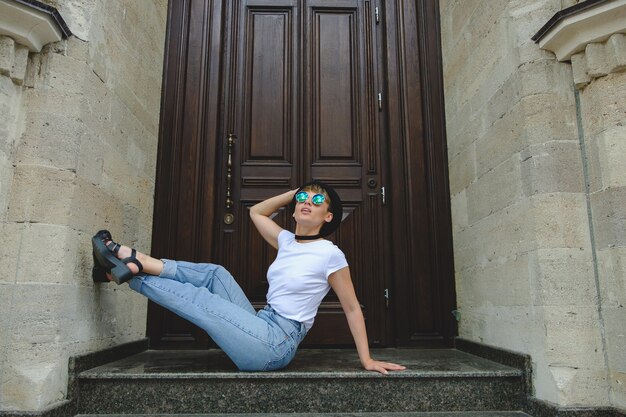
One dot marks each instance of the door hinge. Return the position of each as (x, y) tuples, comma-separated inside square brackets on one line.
[(382, 195), (380, 101), (387, 297), (377, 14)]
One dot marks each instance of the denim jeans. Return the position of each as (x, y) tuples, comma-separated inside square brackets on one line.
[(208, 296)]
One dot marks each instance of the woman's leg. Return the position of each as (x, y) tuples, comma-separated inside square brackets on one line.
[(211, 276), (251, 341)]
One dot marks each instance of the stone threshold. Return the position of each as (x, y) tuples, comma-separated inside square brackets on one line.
[(308, 363)]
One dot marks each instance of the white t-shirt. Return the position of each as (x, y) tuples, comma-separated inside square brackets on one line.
[(298, 278)]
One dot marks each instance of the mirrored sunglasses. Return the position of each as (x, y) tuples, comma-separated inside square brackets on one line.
[(317, 199)]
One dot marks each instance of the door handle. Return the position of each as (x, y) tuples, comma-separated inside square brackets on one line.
[(229, 218)]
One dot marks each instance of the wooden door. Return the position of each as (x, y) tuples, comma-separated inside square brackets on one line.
[(301, 103), (334, 90)]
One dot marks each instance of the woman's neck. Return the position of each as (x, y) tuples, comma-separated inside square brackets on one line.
[(302, 230)]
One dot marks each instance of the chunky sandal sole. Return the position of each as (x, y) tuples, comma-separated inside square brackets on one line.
[(105, 260)]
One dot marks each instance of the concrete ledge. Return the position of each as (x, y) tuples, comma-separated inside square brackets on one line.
[(31, 23), (573, 28)]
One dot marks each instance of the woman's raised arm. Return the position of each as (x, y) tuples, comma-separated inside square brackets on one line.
[(260, 214)]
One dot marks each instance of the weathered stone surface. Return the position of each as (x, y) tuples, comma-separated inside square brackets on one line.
[(563, 277), (521, 227), (616, 48), (597, 60), (579, 70), (495, 190), (612, 276), (602, 103), (606, 154), (41, 194), (458, 203), (77, 154), (609, 217), (7, 52), (552, 167), (73, 319)]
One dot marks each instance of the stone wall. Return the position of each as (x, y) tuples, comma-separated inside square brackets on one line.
[(524, 253), (78, 138), (602, 79)]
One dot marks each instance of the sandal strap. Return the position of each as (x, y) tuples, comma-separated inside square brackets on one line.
[(133, 259), (113, 247)]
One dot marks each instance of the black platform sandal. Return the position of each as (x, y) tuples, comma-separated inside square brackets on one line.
[(105, 259)]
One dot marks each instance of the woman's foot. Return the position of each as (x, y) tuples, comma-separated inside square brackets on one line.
[(119, 263), (107, 260), (123, 253)]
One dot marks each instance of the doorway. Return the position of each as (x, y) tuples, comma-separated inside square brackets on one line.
[(263, 95)]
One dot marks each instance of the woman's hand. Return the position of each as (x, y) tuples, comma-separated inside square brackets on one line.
[(382, 367)]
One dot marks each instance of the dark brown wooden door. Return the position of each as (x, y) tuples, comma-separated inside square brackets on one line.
[(334, 90), (302, 104)]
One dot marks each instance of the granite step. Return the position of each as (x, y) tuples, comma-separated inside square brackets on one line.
[(407, 414), (317, 381)]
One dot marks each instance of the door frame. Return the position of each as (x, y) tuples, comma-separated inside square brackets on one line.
[(191, 137)]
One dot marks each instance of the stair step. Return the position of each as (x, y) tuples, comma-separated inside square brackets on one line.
[(407, 414), (318, 381)]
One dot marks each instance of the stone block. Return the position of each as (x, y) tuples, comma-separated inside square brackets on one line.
[(52, 322), (541, 222), (7, 51), (51, 139), (503, 281), (615, 331), (534, 119), (508, 327), (602, 103), (41, 195), (579, 70), (618, 391), (28, 385), (616, 47), (552, 167), (65, 74), (48, 254), (458, 204), (462, 129), (11, 235), (597, 60), (94, 207), (77, 49), (609, 217), (20, 61), (612, 276), (560, 221), (495, 190), (575, 354), (6, 178), (462, 170), (503, 234), (562, 277), (606, 155)]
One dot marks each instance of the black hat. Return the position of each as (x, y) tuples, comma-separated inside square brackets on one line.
[(335, 207)]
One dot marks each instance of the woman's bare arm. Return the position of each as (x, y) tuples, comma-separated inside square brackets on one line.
[(341, 282), (260, 214)]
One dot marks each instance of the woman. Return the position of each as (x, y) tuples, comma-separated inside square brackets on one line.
[(305, 269)]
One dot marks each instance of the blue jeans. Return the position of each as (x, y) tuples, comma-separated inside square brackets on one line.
[(208, 296)]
